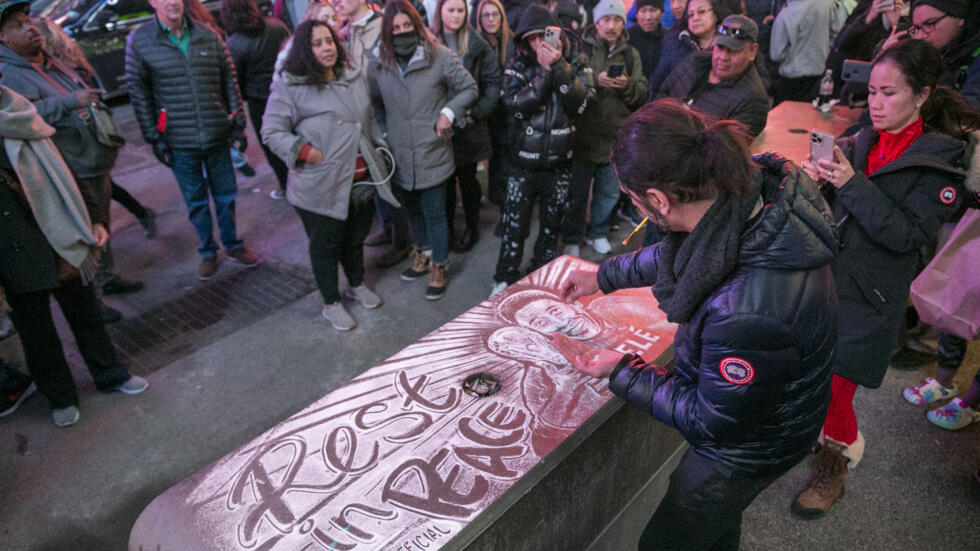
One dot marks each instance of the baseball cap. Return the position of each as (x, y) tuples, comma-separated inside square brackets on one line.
[(737, 32), (8, 8)]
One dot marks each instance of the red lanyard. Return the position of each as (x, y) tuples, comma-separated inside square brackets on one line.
[(81, 113)]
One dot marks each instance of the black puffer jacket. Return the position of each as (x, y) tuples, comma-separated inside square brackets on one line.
[(541, 104), (471, 143), (751, 381), (199, 91), (255, 56)]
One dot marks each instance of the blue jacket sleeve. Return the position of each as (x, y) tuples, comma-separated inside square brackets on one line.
[(743, 365), (630, 270)]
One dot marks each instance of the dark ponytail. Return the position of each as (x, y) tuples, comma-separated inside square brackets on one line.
[(921, 65), (696, 158)]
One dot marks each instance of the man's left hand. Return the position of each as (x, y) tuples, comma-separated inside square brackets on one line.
[(101, 235)]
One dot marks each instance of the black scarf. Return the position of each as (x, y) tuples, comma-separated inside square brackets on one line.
[(692, 265)]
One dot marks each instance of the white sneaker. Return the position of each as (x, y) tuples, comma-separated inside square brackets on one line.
[(338, 317), (65, 417), (601, 245), (573, 250), (497, 287), (365, 296)]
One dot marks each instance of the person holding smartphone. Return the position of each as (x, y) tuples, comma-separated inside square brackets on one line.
[(891, 187), (621, 88), (544, 89)]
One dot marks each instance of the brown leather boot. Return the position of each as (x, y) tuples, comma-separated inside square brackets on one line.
[(826, 483), (437, 282)]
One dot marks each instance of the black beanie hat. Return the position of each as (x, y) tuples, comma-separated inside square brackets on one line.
[(655, 3), (959, 9), (535, 18)]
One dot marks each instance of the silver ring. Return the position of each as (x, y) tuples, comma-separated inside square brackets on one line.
[(830, 175)]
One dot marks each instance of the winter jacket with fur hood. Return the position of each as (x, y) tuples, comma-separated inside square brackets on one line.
[(752, 366)]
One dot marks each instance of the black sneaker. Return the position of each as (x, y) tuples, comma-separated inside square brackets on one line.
[(246, 170), (10, 401), (119, 286)]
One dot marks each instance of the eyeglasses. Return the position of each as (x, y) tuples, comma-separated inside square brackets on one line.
[(490, 15), (701, 12), (926, 28), (735, 32)]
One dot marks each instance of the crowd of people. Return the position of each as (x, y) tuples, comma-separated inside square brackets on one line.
[(589, 110)]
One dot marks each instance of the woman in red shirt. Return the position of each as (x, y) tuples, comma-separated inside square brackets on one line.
[(891, 186)]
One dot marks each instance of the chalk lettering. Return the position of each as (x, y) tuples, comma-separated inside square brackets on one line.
[(495, 464), (438, 498), (501, 420), (345, 464), (467, 431), (413, 393), (424, 421), (341, 521)]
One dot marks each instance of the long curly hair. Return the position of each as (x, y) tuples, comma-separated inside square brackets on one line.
[(59, 45), (302, 63), (242, 16)]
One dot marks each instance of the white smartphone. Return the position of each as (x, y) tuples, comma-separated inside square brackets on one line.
[(552, 35), (821, 146)]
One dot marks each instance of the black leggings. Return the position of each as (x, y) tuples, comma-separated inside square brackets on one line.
[(333, 241), (469, 188)]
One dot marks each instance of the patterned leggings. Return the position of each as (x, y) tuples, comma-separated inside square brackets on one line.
[(550, 188)]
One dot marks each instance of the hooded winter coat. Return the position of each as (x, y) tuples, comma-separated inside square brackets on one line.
[(408, 105), (542, 104), (598, 126), (337, 120), (884, 220), (751, 379)]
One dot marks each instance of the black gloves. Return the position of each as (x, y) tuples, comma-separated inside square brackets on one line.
[(163, 153)]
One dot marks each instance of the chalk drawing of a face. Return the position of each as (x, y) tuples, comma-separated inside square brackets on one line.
[(545, 313), (525, 346)]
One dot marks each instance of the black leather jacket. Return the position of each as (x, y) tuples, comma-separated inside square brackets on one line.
[(751, 381), (541, 105), (199, 91)]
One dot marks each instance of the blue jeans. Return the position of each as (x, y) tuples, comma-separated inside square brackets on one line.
[(427, 215), (605, 195), (200, 174)]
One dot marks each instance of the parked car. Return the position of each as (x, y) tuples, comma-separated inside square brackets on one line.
[(100, 28)]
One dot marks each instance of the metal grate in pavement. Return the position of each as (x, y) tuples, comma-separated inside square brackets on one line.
[(200, 317)]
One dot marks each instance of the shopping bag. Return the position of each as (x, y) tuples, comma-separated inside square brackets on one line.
[(947, 292)]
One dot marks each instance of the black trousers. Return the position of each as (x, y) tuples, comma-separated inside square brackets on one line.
[(550, 189), (256, 108), (703, 507), (43, 353), (469, 188), (333, 241), (124, 198)]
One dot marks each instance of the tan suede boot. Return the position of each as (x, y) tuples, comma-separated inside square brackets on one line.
[(437, 282), (826, 483)]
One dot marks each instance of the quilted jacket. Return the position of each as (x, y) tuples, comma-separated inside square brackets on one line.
[(751, 380), (199, 91)]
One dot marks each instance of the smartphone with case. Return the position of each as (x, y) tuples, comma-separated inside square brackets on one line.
[(552, 35), (615, 69), (821, 146), (886, 5), (856, 71)]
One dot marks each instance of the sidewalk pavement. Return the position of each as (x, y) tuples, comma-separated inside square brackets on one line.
[(228, 380)]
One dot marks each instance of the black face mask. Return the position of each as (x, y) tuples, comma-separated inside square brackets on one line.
[(404, 44)]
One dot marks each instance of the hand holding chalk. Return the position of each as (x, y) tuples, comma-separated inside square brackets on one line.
[(579, 283)]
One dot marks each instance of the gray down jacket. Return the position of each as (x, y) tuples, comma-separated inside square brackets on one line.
[(199, 91)]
